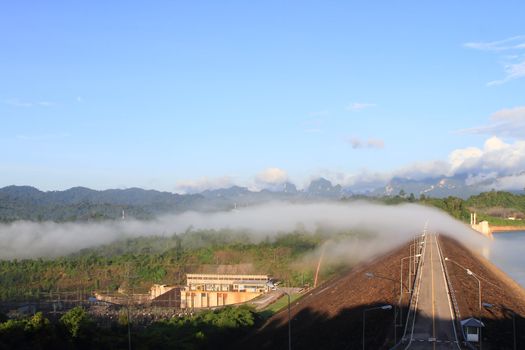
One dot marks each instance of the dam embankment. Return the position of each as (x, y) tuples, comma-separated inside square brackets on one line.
[(331, 315), (497, 288)]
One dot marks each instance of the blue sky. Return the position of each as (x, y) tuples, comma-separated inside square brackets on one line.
[(187, 95)]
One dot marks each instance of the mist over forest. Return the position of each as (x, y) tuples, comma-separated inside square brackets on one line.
[(389, 225)]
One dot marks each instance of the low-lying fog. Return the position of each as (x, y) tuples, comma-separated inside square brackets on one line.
[(391, 226)]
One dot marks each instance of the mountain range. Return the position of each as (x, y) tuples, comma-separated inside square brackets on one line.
[(80, 203)]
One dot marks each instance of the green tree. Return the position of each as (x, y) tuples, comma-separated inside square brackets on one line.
[(76, 321), (37, 323)]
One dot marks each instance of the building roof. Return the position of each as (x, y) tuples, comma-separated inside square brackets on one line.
[(472, 322), (249, 282), (214, 276)]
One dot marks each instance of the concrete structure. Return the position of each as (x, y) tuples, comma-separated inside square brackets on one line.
[(171, 298), (157, 290), (212, 290), (123, 299), (482, 227)]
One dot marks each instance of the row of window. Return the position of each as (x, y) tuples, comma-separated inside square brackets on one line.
[(229, 278)]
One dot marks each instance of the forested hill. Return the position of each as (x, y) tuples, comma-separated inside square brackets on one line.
[(84, 204), (495, 206), (80, 203), (497, 199)]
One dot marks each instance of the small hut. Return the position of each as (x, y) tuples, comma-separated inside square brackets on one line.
[(472, 329)]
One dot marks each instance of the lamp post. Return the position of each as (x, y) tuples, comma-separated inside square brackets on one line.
[(409, 273), (401, 274), (274, 286), (384, 307), (372, 275), (418, 243), (472, 274), (489, 306)]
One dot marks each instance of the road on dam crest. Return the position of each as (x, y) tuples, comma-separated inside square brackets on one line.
[(431, 326)]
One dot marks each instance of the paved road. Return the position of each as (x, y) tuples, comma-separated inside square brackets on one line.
[(432, 327)]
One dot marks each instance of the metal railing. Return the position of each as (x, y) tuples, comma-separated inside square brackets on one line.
[(455, 306), (414, 297)]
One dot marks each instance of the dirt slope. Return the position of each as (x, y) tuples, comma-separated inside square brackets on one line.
[(330, 316)]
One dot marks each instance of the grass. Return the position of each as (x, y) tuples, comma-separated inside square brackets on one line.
[(495, 221), (278, 305)]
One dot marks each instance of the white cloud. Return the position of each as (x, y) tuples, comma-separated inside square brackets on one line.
[(18, 103), (510, 114), (421, 170), (463, 159), (508, 122), (510, 182), (27, 104), (497, 161), (515, 42), (361, 181), (357, 143), (496, 158), (514, 64), (358, 106), (272, 176), (512, 71), (474, 179), (203, 183)]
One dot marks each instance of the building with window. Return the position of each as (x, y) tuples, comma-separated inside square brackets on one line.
[(212, 290)]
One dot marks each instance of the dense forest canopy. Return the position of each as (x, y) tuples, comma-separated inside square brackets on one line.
[(83, 204), (166, 260)]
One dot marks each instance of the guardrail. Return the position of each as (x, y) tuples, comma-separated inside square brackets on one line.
[(455, 307), (415, 292)]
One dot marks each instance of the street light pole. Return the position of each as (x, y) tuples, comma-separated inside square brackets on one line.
[(384, 307), (274, 286), (401, 275), (409, 289), (372, 275), (470, 273)]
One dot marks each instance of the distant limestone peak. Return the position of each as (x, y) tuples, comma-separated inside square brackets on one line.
[(289, 187), (324, 188)]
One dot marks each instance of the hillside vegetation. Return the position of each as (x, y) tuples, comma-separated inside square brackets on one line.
[(494, 206), (140, 262), (83, 204)]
